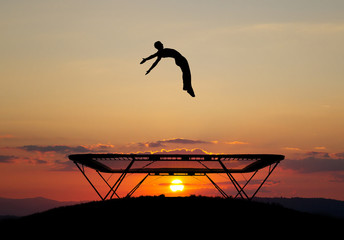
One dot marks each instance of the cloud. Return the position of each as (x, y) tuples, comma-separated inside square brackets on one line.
[(34, 161), (236, 143), (185, 141), (319, 148), (292, 148), (152, 144), (177, 151), (338, 178), (6, 158), (184, 151), (100, 147), (64, 166), (316, 162), (317, 154), (18, 159), (180, 141), (54, 148), (340, 155), (6, 136)]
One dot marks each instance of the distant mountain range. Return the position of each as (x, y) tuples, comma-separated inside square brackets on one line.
[(27, 206), (322, 206)]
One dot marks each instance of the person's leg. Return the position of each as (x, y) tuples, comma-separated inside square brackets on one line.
[(187, 82), (184, 66)]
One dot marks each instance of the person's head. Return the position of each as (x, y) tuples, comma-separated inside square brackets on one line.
[(158, 45)]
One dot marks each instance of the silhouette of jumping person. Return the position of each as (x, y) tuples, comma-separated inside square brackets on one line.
[(180, 61)]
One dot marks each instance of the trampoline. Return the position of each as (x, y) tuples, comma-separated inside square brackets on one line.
[(177, 165)]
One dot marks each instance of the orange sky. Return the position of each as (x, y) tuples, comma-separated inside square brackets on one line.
[(268, 78)]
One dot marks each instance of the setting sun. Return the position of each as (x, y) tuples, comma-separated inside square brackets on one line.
[(176, 185)]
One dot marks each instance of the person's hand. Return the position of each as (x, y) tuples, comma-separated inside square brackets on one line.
[(143, 61)]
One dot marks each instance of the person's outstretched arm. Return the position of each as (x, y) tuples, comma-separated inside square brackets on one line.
[(149, 58), (153, 65)]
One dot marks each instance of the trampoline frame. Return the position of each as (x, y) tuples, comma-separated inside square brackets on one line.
[(260, 161)]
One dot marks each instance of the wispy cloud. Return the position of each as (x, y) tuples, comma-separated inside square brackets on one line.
[(338, 178), (130, 147), (316, 162), (39, 155), (21, 159), (54, 148), (178, 151), (6, 136), (292, 148), (185, 151), (339, 155), (100, 147), (184, 141), (319, 148), (60, 165), (236, 143), (6, 158), (179, 141)]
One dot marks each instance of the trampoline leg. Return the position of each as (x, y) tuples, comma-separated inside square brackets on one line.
[(217, 187), (247, 183), (106, 182), (83, 173), (136, 187), (119, 181), (237, 186), (234, 182), (270, 171)]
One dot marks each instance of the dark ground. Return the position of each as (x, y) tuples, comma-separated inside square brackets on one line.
[(168, 217)]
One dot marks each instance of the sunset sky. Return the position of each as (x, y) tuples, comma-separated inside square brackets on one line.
[(268, 77)]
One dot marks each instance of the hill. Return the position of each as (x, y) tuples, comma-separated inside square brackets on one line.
[(204, 215), (21, 207)]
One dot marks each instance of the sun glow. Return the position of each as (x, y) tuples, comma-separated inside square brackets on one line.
[(176, 185)]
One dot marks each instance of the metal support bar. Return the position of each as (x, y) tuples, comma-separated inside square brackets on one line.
[(137, 186), (121, 178), (247, 183), (95, 189), (270, 171), (106, 181), (119, 181), (234, 182), (217, 187), (241, 190)]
